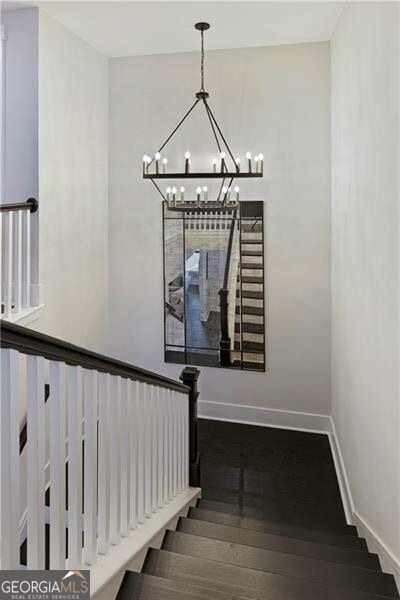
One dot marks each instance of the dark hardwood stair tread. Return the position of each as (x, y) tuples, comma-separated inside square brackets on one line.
[(250, 294), (251, 252), (225, 487), (253, 366), (251, 265), (250, 310), (250, 279), (284, 564), (276, 507), (255, 584), (249, 327), (311, 535), (298, 519), (245, 240), (279, 543), (142, 586), (249, 346)]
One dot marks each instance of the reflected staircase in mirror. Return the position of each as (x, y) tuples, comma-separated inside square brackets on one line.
[(249, 325)]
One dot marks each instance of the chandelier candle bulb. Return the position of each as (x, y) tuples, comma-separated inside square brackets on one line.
[(228, 196), (214, 165), (168, 195), (174, 190), (256, 163), (224, 194), (248, 156), (157, 157), (237, 189), (182, 194), (238, 165), (187, 162), (205, 193), (261, 159), (198, 191), (145, 163), (223, 166), (164, 165)]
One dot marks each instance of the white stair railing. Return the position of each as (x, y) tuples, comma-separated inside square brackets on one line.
[(16, 257), (123, 432)]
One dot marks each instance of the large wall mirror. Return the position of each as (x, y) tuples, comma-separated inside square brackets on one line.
[(214, 287)]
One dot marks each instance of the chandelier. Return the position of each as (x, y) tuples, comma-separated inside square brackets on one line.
[(226, 168)]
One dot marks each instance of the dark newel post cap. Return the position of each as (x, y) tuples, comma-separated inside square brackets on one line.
[(189, 374)]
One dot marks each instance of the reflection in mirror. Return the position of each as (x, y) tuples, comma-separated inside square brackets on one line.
[(214, 287)]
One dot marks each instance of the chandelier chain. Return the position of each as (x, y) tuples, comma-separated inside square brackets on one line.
[(202, 61)]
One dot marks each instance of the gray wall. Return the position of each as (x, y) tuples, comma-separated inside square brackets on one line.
[(365, 263), (73, 186), (274, 100), (21, 122)]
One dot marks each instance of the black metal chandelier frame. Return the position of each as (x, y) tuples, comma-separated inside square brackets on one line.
[(224, 173)]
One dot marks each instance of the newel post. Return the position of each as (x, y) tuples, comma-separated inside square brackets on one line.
[(189, 377), (225, 341)]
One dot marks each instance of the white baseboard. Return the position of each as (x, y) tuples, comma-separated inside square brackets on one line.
[(389, 562), (343, 480), (264, 417)]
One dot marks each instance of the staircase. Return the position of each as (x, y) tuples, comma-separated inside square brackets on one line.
[(270, 526), (249, 326)]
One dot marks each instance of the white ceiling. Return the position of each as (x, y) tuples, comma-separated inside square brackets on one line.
[(136, 28)]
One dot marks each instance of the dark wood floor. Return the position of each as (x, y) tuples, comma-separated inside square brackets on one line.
[(285, 474), (270, 526)]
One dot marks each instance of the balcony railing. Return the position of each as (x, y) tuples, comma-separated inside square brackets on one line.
[(111, 447), (16, 258)]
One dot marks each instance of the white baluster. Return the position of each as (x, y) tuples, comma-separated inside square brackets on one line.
[(1, 263), (175, 418), (184, 403), (186, 439), (75, 436), (18, 263), (35, 451), (178, 442), (115, 462), (8, 264), (125, 464), (148, 448), (27, 260), (180, 414), (9, 464), (170, 446), (133, 454), (57, 465), (164, 412), (154, 451), (104, 464), (160, 437), (90, 400), (140, 416)]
